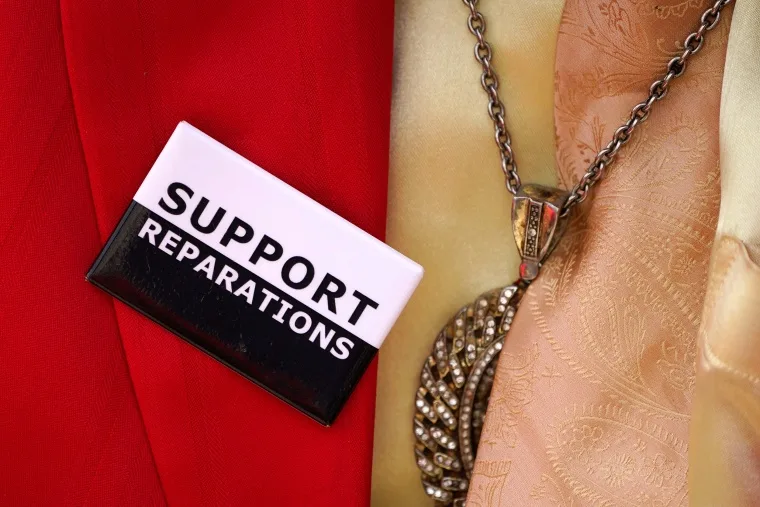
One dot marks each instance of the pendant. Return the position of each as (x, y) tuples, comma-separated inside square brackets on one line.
[(457, 376)]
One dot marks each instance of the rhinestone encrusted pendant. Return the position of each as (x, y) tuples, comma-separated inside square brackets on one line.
[(455, 385), (456, 378)]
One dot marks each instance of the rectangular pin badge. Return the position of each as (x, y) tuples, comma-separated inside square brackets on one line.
[(256, 274)]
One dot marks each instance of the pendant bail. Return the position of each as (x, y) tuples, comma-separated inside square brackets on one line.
[(537, 225)]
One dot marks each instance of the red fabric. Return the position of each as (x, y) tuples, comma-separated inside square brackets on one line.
[(99, 406)]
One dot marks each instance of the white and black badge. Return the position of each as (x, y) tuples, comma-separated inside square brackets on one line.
[(253, 272)]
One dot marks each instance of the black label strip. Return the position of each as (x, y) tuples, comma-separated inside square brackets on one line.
[(237, 317)]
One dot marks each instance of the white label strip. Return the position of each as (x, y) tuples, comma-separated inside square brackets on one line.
[(298, 245)]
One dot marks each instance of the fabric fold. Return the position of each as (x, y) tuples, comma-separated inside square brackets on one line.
[(725, 428), (724, 451), (70, 426)]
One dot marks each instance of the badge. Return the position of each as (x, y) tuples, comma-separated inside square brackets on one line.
[(256, 274)]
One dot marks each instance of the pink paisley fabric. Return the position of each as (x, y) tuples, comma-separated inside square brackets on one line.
[(594, 387)]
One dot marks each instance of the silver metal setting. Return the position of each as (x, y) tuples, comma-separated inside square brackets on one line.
[(537, 224)]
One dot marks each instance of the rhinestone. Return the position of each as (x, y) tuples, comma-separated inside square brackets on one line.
[(455, 386), (426, 465), (438, 494), (448, 396), (427, 380)]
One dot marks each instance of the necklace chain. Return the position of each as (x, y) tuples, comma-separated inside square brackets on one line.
[(640, 112)]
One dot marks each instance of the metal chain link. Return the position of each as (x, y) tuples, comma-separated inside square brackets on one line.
[(639, 114), (490, 83)]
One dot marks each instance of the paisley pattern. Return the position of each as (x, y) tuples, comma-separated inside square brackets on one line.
[(592, 394), (604, 452)]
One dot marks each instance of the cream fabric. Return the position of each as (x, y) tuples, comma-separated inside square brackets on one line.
[(448, 207), (724, 451), (740, 130)]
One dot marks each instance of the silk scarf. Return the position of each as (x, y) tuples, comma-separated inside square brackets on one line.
[(594, 387)]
